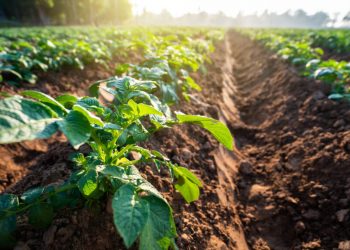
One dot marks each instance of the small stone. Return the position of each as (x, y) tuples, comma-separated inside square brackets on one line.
[(245, 168), (207, 145), (292, 200), (318, 95), (49, 235), (66, 232), (311, 214), (299, 227), (339, 123), (135, 155), (186, 154), (185, 238), (342, 214)]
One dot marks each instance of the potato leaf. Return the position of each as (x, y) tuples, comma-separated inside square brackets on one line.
[(215, 127), (76, 127), (23, 119), (130, 213)]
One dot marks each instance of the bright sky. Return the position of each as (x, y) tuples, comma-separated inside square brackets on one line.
[(231, 7)]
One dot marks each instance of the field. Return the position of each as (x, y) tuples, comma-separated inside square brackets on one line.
[(174, 138)]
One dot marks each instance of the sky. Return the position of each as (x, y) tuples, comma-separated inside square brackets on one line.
[(231, 8)]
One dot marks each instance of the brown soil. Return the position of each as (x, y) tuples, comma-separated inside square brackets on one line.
[(287, 186), (294, 181), (335, 56)]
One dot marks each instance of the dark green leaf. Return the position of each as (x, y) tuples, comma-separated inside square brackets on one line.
[(40, 215), (76, 127), (130, 213)]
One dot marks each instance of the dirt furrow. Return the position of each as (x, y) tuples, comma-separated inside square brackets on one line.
[(293, 172)]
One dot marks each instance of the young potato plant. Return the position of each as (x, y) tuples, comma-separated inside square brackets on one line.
[(112, 130)]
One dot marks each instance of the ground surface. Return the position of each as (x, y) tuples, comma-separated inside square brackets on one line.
[(287, 186)]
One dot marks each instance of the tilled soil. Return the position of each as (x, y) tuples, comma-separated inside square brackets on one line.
[(286, 186), (293, 186)]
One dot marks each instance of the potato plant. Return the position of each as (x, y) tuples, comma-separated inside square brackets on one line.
[(299, 47), (112, 130)]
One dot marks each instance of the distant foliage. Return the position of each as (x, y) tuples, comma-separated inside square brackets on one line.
[(65, 12)]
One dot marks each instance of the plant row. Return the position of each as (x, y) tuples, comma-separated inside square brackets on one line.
[(25, 52), (298, 47), (113, 130)]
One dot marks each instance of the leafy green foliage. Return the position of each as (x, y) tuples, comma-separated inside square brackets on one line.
[(24, 119), (304, 49), (112, 130), (130, 213), (216, 128)]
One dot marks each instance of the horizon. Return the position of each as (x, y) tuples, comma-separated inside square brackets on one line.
[(248, 7)]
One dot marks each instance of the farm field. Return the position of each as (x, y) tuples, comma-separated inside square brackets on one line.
[(166, 138)]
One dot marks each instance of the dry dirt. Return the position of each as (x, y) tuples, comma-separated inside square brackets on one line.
[(286, 186)]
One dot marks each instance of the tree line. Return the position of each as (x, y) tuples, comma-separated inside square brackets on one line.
[(296, 19), (65, 12)]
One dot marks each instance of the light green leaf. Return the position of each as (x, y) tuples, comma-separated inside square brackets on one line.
[(76, 127), (130, 213), (188, 174), (192, 83), (91, 117), (23, 119), (145, 109), (215, 127), (67, 99), (87, 184), (187, 188)]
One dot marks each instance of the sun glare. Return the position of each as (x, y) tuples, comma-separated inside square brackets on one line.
[(231, 8)]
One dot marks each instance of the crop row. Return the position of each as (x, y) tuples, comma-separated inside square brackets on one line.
[(299, 48), (24, 52), (141, 94)]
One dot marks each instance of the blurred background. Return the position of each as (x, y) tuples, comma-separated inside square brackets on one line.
[(217, 13)]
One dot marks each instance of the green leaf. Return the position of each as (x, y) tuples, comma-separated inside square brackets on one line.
[(192, 83), (8, 202), (189, 175), (93, 119), (137, 132), (76, 127), (32, 195), (88, 183), (46, 99), (67, 100), (23, 119), (215, 127), (94, 89), (7, 228), (40, 215), (142, 109), (187, 184), (122, 68), (159, 229), (130, 213)]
